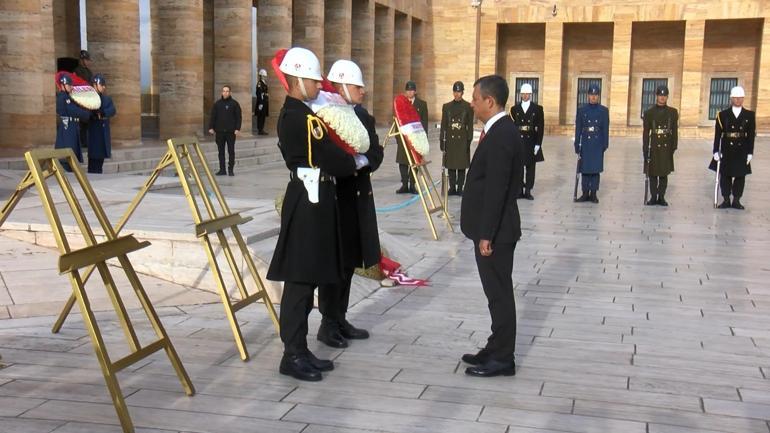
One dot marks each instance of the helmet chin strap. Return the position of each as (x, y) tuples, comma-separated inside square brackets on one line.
[(302, 87), (347, 93)]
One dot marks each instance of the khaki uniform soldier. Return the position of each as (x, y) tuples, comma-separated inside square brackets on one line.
[(407, 183), (529, 120), (456, 137), (659, 142)]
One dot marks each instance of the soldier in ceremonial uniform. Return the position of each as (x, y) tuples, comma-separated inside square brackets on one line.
[(262, 109), (456, 137), (358, 220), (99, 139), (407, 183), (734, 133), (659, 142), (592, 129), (83, 70), (529, 120), (70, 115), (307, 253)]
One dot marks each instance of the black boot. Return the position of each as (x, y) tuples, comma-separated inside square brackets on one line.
[(527, 195), (582, 198), (221, 172), (725, 203), (299, 367), (329, 334), (652, 201), (594, 198), (403, 190), (737, 203), (662, 201)]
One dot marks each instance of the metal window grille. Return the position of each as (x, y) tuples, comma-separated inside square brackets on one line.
[(649, 85), (582, 93), (719, 98), (532, 81)]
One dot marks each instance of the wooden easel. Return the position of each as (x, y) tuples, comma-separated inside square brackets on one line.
[(188, 159), (44, 164), (431, 198)]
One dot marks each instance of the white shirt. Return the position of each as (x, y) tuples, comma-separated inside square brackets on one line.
[(737, 111), (494, 119), (525, 105)]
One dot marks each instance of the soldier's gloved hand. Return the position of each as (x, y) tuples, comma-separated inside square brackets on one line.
[(716, 156), (749, 157), (361, 161), (259, 107), (537, 148)]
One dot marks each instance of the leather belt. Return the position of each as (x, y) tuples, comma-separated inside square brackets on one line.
[(323, 177), (524, 128), (590, 129), (736, 134), (661, 131), (69, 119)]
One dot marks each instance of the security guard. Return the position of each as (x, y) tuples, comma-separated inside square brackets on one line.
[(70, 116), (659, 142), (407, 183), (734, 133), (456, 137), (308, 251), (592, 129), (99, 140), (262, 109), (529, 119), (358, 220)]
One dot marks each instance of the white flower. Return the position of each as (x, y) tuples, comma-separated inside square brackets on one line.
[(417, 137), (343, 121)]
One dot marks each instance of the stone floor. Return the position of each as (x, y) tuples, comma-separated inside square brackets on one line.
[(630, 319)]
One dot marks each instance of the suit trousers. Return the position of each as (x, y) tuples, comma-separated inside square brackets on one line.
[(406, 176), (296, 305), (495, 272), (529, 177), (333, 299), (226, 139), (590, 182), (734, 185)]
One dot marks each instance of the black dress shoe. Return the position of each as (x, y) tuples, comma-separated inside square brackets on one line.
[(725, 204), (737, 204), (459, 191), (319, 364), (262, 133), (402, 190), (230, 173), (652, 202), (299, 367), (582, 198), (475, 359), (350, 332), (413, 190), (528, 195), (594, 198), (329, 334), (492, 368), (452, 191), (662, 201), (221, 173)]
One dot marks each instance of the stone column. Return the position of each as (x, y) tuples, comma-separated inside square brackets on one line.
[(274, 33), (692, 73), (551, 84), (762, 91), (418, 61), (362, 46), (180, 67), (66, 27), (402, 60), (308, 27), (27, 77), (113, 42), (383, 91), (621, 69), (337, 26), (232, 53), (154, 50)]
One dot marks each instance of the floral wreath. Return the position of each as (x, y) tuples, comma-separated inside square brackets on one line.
[(410, 126)]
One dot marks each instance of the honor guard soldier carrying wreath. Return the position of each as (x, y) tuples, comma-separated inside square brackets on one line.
[(307, 253), (70, 116), (456, 137), (407, 182), (659, 142), (529, 120), (592, 134), (734, 133), (99, 138)]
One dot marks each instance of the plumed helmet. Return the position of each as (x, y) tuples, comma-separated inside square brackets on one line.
[(346, 72), (262, 73), (737, 92), (302, 63)]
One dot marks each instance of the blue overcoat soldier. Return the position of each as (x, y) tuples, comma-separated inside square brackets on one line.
[(659, 142), (99, 138), (734, 133), (407, 182), (456, 137), (308, 252), (70, 115), (592, 133), (529, 119)]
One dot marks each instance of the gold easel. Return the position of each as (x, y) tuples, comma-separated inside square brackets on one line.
[(44, 164), (429, 196), (185, 154)]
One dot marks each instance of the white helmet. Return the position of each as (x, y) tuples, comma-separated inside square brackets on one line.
[(262, 73), (737, 92), (301, 63), (346, 72), (526, 88)]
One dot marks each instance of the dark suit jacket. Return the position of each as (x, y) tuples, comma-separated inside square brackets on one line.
[(493, 183)]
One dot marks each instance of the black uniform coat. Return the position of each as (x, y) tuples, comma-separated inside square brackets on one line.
[(422, 109), (99, 137), (308, 248), (456, 134), (660, 137), (263, 99), (736, 136), (530, 129), (358, 220), (68, 124), (494, 181)]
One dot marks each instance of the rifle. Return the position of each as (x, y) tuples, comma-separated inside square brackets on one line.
[(646, 180), (577, 179), (719, 164)]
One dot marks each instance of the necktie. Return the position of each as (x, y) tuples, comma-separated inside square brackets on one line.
[(481, 137)]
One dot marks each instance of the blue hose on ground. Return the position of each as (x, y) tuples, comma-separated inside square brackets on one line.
[(403, 204)]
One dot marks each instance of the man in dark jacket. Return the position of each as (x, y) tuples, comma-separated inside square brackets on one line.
[(225, 122), (307, 253), (358, 220), (490, 218), (456, 137), (407, 182), (529, 119), (99, 139), (262, 109), (659, 142)]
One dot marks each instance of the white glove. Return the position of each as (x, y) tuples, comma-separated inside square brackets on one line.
[(361, 161), (716, 156), (749, 157), (537, 148), (259, 107)]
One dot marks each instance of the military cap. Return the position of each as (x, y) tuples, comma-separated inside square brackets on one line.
[(65, 79), (661, 91), (84, 55), (525, 88), (458, 86), (99, 79), (737, 92), (410, 85), (594, 90)]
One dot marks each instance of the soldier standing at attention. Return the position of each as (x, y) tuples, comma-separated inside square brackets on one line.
[(592, 129), (261, 110), (308, 252), (99, 139), (734, 134), (529, 119), (407, 183), (456, 137), (659, 141)]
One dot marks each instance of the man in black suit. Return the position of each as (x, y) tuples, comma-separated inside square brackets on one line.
[(490, 218)]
